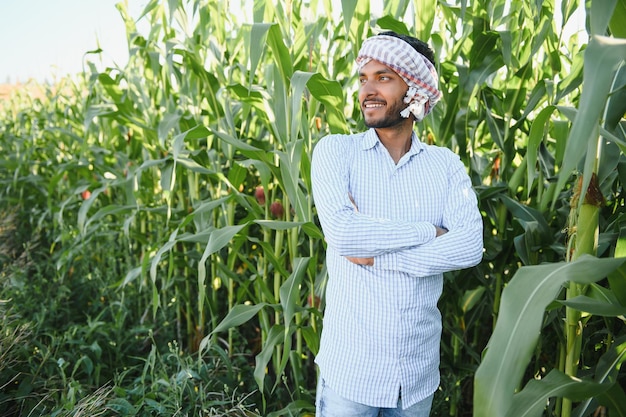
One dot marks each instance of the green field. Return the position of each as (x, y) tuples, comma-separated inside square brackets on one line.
[(160, 253)]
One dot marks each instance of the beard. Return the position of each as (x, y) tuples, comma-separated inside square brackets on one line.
[(390, 118)]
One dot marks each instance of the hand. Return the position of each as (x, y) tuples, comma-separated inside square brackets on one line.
[(361, 261), (441, 231)]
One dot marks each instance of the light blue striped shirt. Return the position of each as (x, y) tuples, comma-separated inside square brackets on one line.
[(382, 327)]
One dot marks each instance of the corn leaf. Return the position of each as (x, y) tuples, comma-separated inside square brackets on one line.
[(616, 24), (531, 401), (217, 240), (515, 336), (602, 57), (290, 290), (261, 360)]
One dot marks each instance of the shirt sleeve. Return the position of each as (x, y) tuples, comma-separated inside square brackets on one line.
[(461, 247), (351, 233)]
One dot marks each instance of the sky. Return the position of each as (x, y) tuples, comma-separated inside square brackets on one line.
[(44, 39)]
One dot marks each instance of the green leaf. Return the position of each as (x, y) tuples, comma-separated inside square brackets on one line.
[(106, 211), (217, 240), (424, 18), (210, 205), (162, 250), (169, 123), (276, 261), (531, 401), (237, 175), (312, 339), (282, 57), (616, 106), (471, 298), (606, 371), (571, 114), (274, 337), (531, 219), (220, 238), (496, 129), (602, 57), (599, 16), (616, 24), (257, 45), (312, 230), (331, 95), (122, 406), (298, 99), (595, 307), (573, 79), (84, 209), (290, 173), (485, 58), (517, 330), (617, 278), (389, 23), (245, 148), (131, 275), (347, 9), (238, 315), (290, 290), (610, 363), (278, 225), (615, 400), (294, 408), (535, 138)]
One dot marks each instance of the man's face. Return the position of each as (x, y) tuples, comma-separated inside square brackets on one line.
[(381, 95)]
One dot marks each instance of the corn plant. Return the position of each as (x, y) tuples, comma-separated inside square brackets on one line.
[(595, 144)]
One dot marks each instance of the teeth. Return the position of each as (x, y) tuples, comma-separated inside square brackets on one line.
[(368, 106)]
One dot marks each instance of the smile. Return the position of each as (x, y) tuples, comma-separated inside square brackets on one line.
[(373, 105)]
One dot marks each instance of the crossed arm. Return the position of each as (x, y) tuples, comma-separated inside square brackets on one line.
[(418, 248), (370, 261)]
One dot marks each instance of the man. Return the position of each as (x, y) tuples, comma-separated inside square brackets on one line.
[(396, 214)]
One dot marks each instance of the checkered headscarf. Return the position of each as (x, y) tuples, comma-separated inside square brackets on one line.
[(414, 68)]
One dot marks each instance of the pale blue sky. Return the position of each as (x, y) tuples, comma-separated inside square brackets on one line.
[(42, 39)]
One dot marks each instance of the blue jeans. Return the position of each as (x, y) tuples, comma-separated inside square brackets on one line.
[(329, 404)]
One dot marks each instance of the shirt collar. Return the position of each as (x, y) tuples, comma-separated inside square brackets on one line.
[(371, 139)]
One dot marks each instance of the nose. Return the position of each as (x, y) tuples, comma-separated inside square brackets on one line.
[(366, 89)]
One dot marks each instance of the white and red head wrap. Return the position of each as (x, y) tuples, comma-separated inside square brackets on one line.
[(414, 68)]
